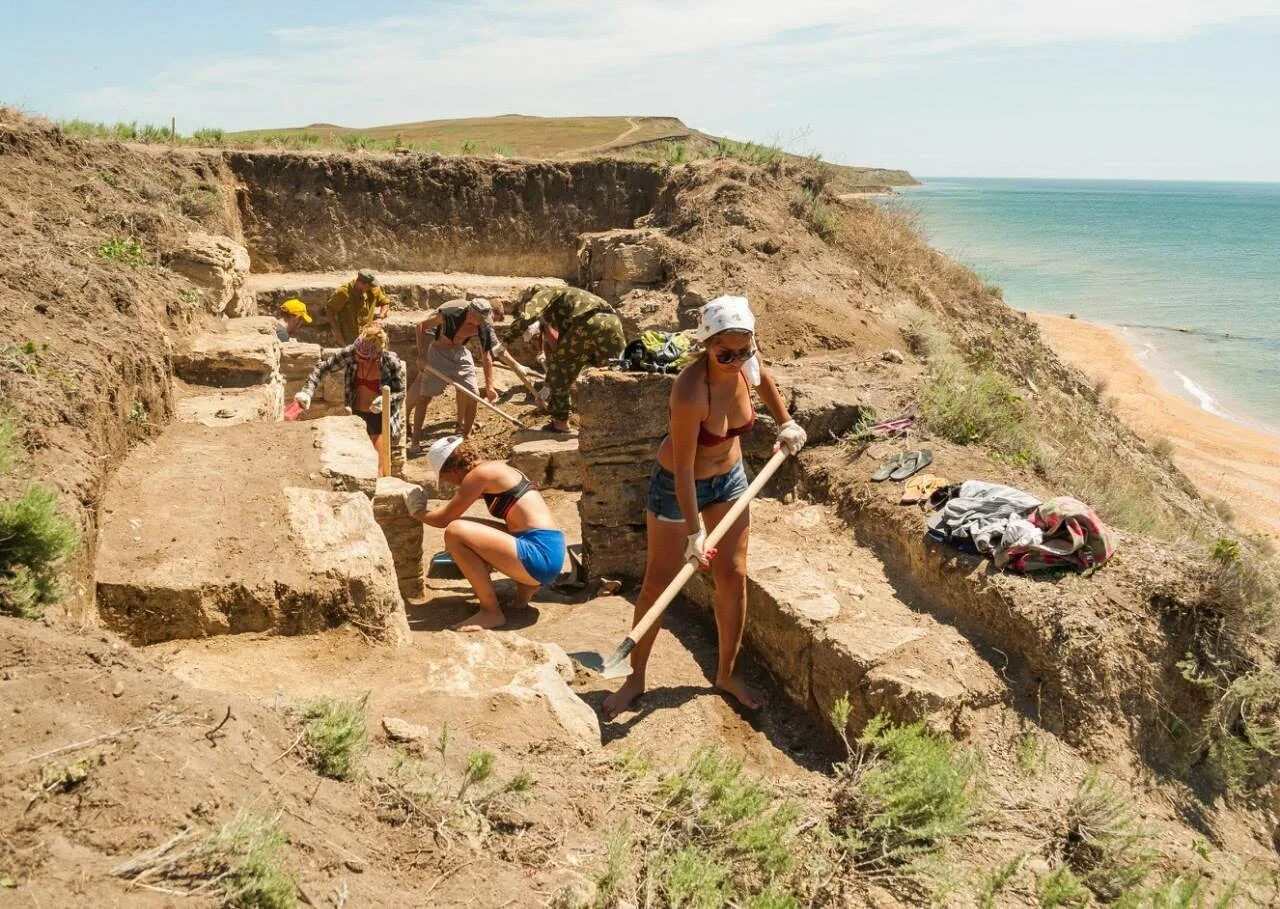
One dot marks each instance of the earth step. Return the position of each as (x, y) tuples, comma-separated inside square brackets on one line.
[(551, 463), (229, 358), (229, 406), (254, 527), (403, 533), (826, 620)]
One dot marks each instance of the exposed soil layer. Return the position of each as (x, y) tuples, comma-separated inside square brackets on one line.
[(323, 213), (87, 315)]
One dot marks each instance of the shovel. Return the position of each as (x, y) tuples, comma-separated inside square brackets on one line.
[(615, 666), (472, 395)]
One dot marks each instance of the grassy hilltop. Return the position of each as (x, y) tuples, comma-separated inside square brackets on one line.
[(512, 135)]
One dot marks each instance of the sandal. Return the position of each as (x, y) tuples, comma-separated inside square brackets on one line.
[(887, 468), (912, 462), (551, 427)]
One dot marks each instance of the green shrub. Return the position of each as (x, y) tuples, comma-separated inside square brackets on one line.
[(468, 146), (979, 406), (125, 251), (334, 735), (907, 795), (209, 136), (676, 152), (1105, 845), (808, 206), (750, 152), (708, 835), (34, 542), (1225, 550), (505, 151), (1062, 889), (200, 200), (8, 447), (247, 853), (152, 133)]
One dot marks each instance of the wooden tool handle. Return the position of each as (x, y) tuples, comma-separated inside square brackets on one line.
[(677, 583), (471, 394), (384, 441)]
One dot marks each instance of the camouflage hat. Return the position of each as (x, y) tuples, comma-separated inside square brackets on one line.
[(366, 276)]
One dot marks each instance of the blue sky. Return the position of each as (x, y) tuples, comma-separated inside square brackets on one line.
[(1166, 89)]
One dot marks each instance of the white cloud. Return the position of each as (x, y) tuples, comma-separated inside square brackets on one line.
[(644, 56)]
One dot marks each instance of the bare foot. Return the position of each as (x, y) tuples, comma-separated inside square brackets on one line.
[(741, 692), (485, 618), (621, 699), (524, 595)]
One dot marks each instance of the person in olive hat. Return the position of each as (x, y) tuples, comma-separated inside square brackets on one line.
[(354, 306)]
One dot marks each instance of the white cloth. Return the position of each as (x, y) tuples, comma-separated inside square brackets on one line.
[(982, 512), (724, 314)]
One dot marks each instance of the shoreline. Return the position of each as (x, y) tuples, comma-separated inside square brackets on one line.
[(1226, 459)]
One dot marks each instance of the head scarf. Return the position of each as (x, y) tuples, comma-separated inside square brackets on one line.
[(730, 314)]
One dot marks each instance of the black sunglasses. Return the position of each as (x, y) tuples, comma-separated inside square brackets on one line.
[(735, 356)]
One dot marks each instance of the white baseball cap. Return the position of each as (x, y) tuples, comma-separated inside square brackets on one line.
[(439, 452), (725, 314)]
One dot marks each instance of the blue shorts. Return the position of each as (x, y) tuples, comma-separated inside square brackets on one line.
[(541, 552), (724, 487)]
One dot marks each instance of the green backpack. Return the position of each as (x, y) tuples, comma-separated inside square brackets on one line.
[(658, 351)]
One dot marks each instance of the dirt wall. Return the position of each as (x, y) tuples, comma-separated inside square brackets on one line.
[(428, 213), (87, 312)]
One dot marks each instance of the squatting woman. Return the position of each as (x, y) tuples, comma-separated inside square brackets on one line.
[(528, 547)]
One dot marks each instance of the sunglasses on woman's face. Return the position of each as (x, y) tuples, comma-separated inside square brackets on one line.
[(740, 355)]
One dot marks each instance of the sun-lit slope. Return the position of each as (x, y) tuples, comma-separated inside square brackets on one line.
[(536, 137)]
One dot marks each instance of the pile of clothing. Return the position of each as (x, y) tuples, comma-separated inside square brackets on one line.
[(1017, 530)]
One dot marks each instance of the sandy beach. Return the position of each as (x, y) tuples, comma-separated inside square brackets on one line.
[(1225, 459)]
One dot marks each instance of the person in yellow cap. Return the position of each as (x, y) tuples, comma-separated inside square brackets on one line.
[(355, 305), (290, 317)]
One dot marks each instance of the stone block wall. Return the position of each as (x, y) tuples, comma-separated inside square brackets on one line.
[(404, 535), (623, 418)]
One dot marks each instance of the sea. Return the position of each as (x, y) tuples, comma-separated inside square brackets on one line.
[(1189, 272)]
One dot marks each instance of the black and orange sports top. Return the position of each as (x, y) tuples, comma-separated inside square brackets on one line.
[(707, 439), (499, 503)]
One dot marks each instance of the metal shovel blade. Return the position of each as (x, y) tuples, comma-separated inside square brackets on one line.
[(614, 666)]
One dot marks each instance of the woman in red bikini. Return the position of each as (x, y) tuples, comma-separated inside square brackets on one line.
[(697, 477)]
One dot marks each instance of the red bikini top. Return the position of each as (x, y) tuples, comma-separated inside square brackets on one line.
[(709, 439)]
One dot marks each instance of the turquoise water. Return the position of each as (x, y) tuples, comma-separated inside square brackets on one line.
[(1189, 271)]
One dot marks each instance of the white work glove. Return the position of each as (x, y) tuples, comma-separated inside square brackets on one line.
[(376, 405), (541, 360), (791, 437), (695, 547), (416, 500), (544, 394), (303, 399), (533, 329)]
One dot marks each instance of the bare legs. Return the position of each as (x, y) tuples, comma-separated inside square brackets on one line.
[(729, 571), (466, 415), (417, 404), (477, 548)]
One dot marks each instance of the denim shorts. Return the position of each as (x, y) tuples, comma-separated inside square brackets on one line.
[(724, 487)]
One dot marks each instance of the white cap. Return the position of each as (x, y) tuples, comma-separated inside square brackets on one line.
[(725, 314), (439, 452), (481, 307)]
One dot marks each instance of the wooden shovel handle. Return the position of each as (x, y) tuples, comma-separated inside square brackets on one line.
[(677, 583)]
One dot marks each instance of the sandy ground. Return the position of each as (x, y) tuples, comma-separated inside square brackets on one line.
[(1225, 459)]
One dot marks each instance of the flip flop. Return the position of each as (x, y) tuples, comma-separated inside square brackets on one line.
[(913, 461), (551, 427), (887, 468)]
